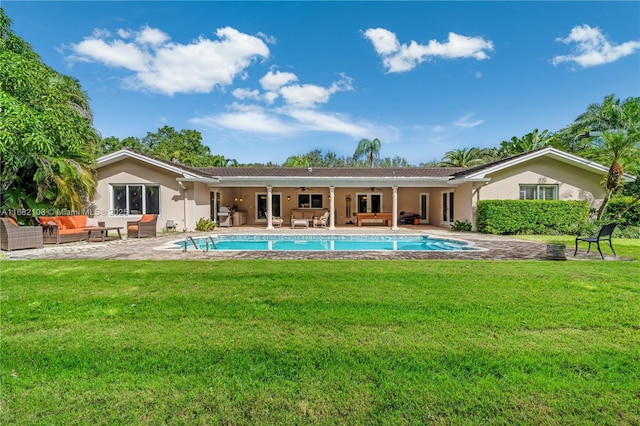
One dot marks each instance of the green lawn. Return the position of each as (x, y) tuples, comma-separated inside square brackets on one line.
[(320, 342)]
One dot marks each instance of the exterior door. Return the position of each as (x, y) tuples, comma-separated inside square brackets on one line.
[(424, 208), (369, 202), (447, 207), (261, 202)]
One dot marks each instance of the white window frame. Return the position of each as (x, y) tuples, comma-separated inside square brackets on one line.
[(537, 189), (311, 195), (257, 213), (448, 207), (369, 201), (125, 213), (425, 207)]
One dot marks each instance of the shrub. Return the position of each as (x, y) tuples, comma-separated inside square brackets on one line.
[(461, 226), (204, 224), (509, 217), (630, 218)]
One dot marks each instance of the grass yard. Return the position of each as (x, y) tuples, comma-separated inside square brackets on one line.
[(320, 342)]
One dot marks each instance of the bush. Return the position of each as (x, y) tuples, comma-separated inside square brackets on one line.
[(629, 218), (204, 224), (510, 217), (461, 226)]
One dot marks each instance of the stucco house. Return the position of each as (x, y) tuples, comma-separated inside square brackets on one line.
[(131, 184)]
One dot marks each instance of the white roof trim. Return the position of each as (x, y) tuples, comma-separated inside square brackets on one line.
[(342, 181), (122, 154), (550, 152)]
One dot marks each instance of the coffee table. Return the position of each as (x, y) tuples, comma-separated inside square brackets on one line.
[(103, 232)]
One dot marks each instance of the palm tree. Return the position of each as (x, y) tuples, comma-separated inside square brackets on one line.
[(367, 149), (616, 126), (526, 143), (465, 157)]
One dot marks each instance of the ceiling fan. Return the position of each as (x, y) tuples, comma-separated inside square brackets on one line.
[(304, 188)]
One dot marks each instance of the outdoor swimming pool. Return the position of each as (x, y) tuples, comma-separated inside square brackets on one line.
[(323, 243)]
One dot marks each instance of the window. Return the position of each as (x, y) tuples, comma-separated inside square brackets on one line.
[(369, 202), (135, 199), (306, 201), (261, 202), (447, 207), (538, 192)]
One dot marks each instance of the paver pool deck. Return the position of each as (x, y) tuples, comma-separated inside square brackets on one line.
[(495, 247)]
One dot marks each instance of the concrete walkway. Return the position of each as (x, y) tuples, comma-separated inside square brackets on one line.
[(494, 247)]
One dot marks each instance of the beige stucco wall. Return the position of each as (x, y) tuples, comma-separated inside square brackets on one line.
[(573, 183), (131, 171)]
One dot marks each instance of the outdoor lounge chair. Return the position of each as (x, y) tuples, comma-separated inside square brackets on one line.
[(276, 221), (14, 237), (321, 221), (603, 235), (145, 227)]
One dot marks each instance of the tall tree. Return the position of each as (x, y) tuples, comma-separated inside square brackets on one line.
[(465, 157), (529, 142), (614, 126), (367, 149), (47, 141)]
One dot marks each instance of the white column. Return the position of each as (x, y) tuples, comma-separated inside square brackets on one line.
[(332, 209), (269, 207), (394, 214)]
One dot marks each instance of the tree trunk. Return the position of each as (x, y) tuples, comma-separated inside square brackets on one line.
[(605, 203)]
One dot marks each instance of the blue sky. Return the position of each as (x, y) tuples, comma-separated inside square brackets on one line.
[(265, 80)]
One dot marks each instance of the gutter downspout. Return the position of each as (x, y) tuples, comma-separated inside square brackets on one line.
[(184, 207)]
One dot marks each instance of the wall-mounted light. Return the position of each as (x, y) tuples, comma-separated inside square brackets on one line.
[(288, 197)]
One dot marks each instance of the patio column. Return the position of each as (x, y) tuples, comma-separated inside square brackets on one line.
[(332, 209), (269, 206), (394, 212)]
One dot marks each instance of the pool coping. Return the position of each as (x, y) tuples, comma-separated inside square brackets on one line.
[(496, 247), (171, 246)]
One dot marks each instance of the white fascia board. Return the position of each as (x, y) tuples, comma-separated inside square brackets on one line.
[(116, 156), (339, 182), (550, 152)]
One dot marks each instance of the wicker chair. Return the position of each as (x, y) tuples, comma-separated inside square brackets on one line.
[(14, 237), (145, 227)]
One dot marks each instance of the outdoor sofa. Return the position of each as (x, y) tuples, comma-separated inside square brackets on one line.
[(66, 229), (14, 237), (308, 214)]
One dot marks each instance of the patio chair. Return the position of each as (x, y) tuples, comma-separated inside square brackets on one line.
[(277, 221), (321, 221), (170, 225), (603, 235), (14, 237), (145, 227)]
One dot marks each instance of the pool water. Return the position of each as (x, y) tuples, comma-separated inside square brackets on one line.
[(326, 243)]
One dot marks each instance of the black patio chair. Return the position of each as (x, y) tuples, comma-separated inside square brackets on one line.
[(603, 235)]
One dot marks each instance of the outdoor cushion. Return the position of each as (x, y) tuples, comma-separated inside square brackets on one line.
[(147, 217), (132, 227), (92, 222), (13, 222)]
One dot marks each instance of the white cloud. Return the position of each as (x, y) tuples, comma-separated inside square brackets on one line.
[(466, 122), (161, 66), (274, 81), (398, 57), (151, 36), (592, 48), (246, 94)]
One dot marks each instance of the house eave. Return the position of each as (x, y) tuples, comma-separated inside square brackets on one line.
[(314, 181), (116, 156)]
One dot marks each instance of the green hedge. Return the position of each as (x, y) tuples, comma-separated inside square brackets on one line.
[(631, 216), (509, 217)]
